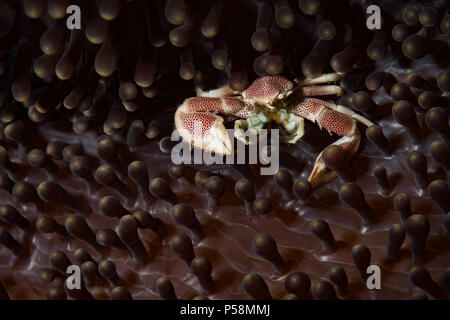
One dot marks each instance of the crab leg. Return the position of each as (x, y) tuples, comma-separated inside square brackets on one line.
[(326, 116), (324, 78), (198, 123), (224, 91), (322, 90)]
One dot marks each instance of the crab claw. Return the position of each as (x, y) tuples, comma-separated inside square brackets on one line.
[(203, 130), (320, 173), (198, 123)]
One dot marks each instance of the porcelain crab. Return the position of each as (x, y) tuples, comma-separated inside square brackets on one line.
[(270, 98)]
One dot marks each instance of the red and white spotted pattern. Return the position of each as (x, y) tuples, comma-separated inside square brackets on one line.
[(265, 89), (310, 108), (201, 104), (336, 122), (197, 122), (320, 111), (325, 116), (228, 106)]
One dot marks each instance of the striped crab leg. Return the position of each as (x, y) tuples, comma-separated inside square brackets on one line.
[(323, 78), (224, 91)]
